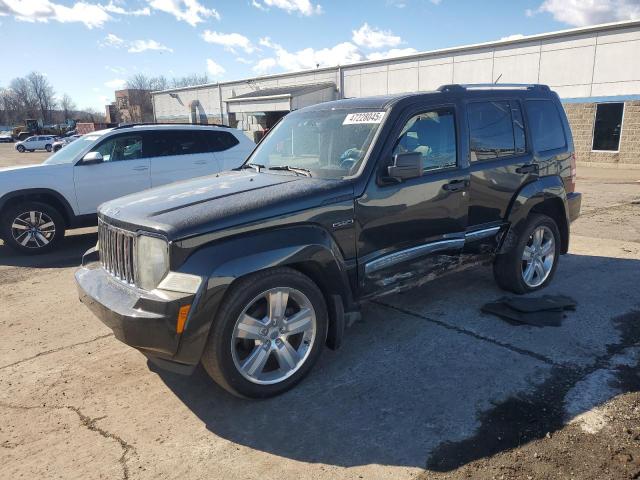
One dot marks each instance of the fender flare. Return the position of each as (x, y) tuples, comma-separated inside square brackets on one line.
[(530, 197), (308, 248), (68, 212)]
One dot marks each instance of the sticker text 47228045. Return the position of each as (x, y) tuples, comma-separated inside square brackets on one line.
[(363, 117)]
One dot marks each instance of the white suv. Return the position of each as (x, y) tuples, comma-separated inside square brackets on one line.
[(38, 202), (37, 142)]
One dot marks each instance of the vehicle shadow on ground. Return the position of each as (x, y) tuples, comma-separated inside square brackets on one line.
[(68, 254), (416, 389)]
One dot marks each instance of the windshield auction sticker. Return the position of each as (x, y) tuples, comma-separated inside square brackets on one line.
[(363, 117)]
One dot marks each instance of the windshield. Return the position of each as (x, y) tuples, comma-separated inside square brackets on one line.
[(69, 152), (327, 143)]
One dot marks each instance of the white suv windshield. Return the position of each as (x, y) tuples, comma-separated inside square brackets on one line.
[(327, 143), (70, 152)]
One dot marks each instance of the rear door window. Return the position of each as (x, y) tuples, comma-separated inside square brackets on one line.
[(545, 124), (491, 130), (177, 142)]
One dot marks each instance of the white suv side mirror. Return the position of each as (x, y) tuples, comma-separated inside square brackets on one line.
[(92, 158)]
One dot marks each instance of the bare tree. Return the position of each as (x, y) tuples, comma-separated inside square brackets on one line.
[(190, 80), (43, 94), (24, 98), (67, 106)]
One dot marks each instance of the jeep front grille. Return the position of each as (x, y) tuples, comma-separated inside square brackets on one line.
[(117, 249)]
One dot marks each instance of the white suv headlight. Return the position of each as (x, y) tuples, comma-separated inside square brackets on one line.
[(152, 261)]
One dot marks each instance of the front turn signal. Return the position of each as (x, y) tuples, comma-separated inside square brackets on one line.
[(183, 313)]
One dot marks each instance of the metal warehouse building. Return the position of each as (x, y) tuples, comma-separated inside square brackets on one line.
[(595, 70)]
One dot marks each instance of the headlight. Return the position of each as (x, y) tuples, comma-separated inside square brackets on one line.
[(152, 261)]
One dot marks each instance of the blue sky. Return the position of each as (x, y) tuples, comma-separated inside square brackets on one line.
[(88, 48)]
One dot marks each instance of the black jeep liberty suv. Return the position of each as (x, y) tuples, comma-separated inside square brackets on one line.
[(253, 271)]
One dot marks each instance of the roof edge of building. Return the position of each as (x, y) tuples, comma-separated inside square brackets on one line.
[(441, 51)]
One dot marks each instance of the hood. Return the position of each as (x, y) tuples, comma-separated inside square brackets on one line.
[(206, 204), (32, 176)]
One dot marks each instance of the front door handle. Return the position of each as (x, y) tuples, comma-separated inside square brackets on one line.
[(529, 168), (455, 185), (141, 168), (200, 162)]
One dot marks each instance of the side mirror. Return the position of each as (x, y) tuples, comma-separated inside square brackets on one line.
[(405, 166), (92, 158)]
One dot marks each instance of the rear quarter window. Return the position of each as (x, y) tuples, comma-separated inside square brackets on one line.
[(221, 141), (545, 124)]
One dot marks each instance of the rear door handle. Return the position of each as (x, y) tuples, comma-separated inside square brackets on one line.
[(200, 162), (141, 168), (529, 168), (455, 185)]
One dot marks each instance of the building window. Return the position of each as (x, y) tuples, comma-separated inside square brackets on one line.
[(608, 126)]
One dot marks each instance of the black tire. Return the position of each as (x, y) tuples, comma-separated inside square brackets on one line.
[(508, 267), (35, 246), (56, 148), (20, 148), (217, 358), (48, 148)]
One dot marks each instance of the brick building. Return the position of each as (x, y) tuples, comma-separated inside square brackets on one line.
[(595, 70), (131, 106)]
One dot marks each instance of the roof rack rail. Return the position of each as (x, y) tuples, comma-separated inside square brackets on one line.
[(142, 124), (457, 87)]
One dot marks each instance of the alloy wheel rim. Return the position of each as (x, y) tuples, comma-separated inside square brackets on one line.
[(33, 229), (538, 256), (273, 336)]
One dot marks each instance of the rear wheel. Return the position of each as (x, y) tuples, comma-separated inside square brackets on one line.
[(531, 264), (267, 335), (32, 227)]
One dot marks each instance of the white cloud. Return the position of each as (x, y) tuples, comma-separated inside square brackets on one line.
[(397, 3), (117, 70), (265, 65), (368, 37), (229, 41), (137, 46), (190, 11), (215, 69), (589, 12), (435, 2), (394, 52), (114, 7), (515, 36), (105, 100), (112, 40), (309, 58), (116, 83), (303, 7), (133, 46), (246, 61), (91, 15)]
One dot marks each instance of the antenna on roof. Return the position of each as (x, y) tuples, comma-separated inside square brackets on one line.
[(498, 79)]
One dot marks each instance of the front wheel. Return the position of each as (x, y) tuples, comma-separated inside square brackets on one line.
[(531, 264), (32, 227), (267, 335), (20, 148), (48, 148)]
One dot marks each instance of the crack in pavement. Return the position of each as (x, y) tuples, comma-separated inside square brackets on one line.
[(54, 350), (508, 346), (90, 424)]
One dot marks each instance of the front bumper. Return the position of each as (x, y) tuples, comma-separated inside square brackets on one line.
[(574, 201), (143, 320)]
